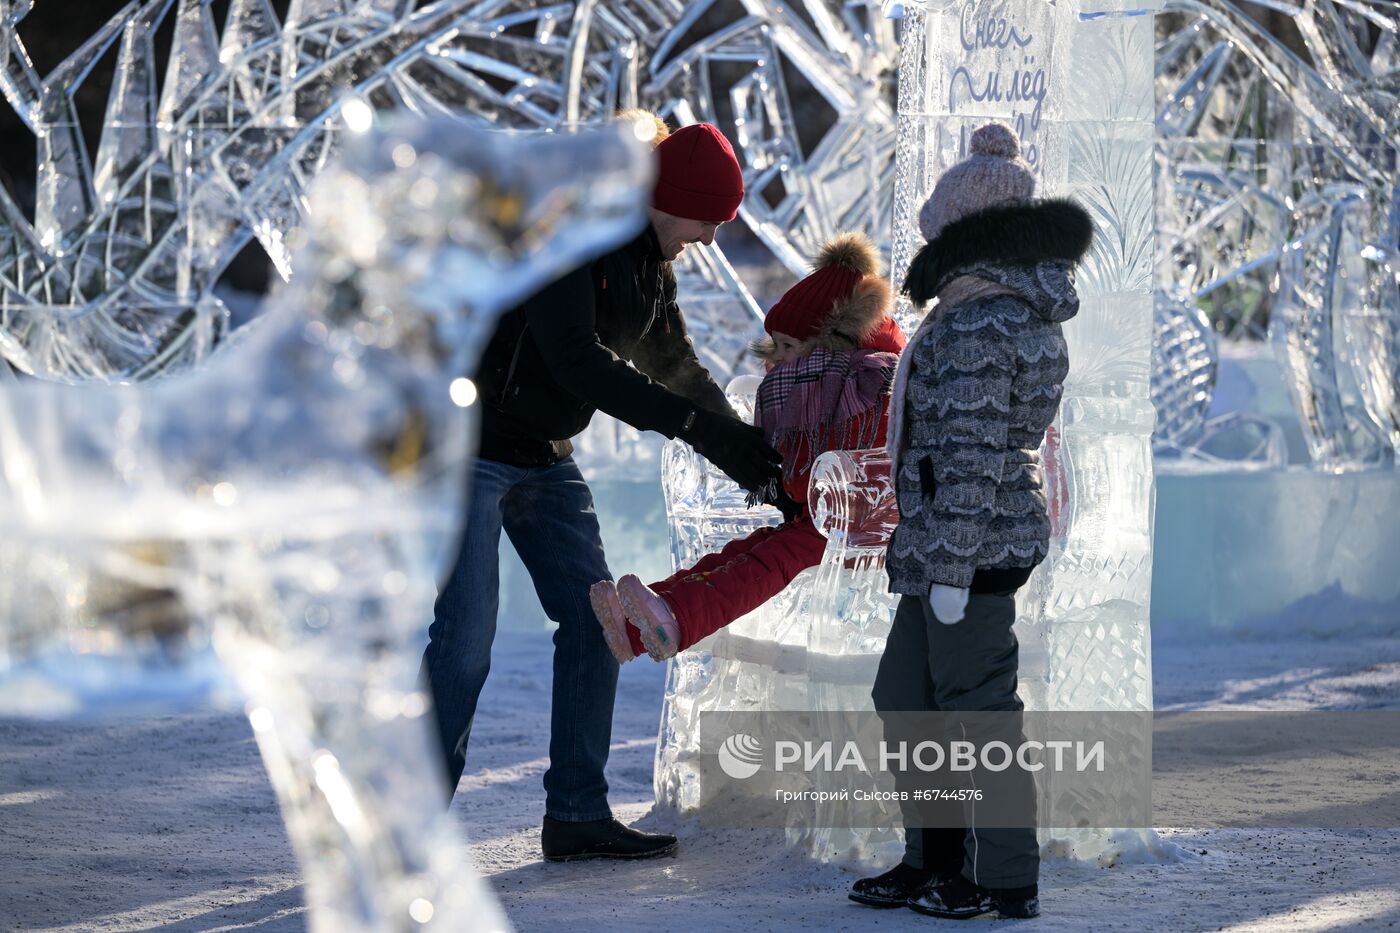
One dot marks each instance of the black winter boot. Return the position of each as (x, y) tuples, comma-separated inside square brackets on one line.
[(567, 842), (894, 887), (960, 899)]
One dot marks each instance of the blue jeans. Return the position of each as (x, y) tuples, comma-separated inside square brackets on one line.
[(548, 514)]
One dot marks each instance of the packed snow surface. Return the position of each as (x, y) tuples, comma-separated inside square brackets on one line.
[(169, 824)]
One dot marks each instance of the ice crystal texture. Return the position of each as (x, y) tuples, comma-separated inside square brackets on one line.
[(1076, 82), (287, 508), (1277, 202)]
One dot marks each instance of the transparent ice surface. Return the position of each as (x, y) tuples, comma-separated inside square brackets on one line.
[(1076, 81), (1278, 211), (287, 508), (115, 278)]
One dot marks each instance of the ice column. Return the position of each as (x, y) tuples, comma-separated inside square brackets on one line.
[(1075, 81)]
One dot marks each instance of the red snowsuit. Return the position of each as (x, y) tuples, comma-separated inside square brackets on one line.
[(720, 588)]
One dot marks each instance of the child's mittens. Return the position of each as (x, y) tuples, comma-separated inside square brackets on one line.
[(949, 603)]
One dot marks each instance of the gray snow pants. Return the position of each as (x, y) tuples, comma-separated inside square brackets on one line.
[(969, 666)]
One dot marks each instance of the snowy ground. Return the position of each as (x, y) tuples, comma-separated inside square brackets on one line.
[(169, 825)]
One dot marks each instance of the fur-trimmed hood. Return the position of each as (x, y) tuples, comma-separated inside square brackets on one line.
[(856, 319), (1022, 235)]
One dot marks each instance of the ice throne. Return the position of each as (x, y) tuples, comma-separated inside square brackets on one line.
[(815, 646)]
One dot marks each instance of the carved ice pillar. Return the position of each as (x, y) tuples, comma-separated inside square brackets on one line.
[(1075, 80)]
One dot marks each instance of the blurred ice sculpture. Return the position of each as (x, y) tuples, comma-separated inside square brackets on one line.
[(288, 506), (1075, 79), (1277, 204)]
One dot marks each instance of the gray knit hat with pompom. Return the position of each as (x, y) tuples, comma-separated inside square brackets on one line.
[(992, 175)]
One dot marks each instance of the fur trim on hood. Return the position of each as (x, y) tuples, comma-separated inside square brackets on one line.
[(1016, 235), (852, 320)]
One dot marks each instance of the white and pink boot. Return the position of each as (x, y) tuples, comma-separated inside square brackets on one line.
[(608, 609), (651, 615)]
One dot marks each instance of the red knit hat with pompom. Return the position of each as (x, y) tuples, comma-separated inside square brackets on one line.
[(844, 297)]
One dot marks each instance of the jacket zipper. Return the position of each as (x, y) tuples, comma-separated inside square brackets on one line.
[(514, 361), (656, 309)]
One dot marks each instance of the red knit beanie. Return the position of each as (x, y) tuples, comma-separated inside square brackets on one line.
[(697, 175), (847, 264)]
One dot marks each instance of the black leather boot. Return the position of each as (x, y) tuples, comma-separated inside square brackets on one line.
[(567, 842), (960, 899), (894, 887)]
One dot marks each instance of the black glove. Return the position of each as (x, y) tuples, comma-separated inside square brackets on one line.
[(774, 493), (785, 503), (738, 449)]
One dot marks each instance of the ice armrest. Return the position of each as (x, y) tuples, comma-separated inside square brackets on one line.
[(852, 494), (691, 482)]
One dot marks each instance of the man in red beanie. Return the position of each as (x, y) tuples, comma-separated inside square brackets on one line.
[(607, 336), (698, 187)]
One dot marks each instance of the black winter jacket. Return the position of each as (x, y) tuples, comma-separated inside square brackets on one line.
[(565, 352)]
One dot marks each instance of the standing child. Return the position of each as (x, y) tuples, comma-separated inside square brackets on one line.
[(976, 392), (832, 350)]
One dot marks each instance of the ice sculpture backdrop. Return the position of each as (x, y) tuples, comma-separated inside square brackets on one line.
[(217, 145), (1076, 81), (1277, 200), (1279, 280), (1266, 141)]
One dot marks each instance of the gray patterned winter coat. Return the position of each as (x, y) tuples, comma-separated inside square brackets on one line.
[(983, 383)]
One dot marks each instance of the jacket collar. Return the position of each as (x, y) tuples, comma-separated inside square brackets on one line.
[(1015, 235), (646, 246)]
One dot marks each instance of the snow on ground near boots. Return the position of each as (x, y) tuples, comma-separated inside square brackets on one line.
[(168, 824)]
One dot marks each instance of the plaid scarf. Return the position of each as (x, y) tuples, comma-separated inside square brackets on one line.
[(826, 400)]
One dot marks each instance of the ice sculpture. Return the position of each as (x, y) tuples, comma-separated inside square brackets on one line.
[(815, 646), (1277, 201), (1076, 81), (115, 277), (290, 504), (1185, 360)]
